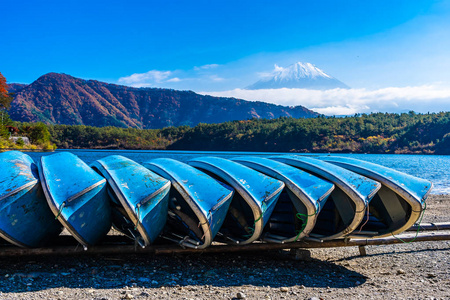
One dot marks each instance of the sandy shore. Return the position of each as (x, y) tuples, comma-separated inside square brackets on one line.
[(404, 271)]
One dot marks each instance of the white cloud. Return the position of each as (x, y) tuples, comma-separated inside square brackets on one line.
[(172, 79), (175, 79), (206, 67), (277, 68), (264, 75), (146, 79), (426, 98)]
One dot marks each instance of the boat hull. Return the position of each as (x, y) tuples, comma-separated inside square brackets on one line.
[(198, 196), (25, 218), (77, 196), (138, 192)]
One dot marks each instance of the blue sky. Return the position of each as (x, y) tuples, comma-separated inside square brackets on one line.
[(219, 47)]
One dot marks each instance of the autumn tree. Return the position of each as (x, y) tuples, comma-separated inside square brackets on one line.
[(5, 97), (5, 102)]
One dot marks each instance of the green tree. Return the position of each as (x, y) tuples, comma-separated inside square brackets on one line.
[(39, 133)]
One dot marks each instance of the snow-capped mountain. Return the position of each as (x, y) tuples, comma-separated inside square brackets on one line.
[(300, 76)]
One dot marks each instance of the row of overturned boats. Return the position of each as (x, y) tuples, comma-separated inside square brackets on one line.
[(280, 199)]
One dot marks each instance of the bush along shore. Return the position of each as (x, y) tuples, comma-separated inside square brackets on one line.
[(366, 133), (24, 136)]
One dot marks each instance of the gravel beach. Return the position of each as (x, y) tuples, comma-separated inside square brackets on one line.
[(402, 271)]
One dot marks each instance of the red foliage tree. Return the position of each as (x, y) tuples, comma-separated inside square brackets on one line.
[(5, 97)]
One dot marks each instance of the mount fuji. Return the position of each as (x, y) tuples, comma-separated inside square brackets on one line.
[(298, 76)]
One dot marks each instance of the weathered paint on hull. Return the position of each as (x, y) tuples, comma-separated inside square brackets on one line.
[(141, 193), (25, 218), (255, 193), (307, 193), (77, 196), (398, 189), (207, 199), (359, 190)]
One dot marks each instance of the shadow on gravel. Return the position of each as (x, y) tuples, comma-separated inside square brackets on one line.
[(386, 253), (274, 269)]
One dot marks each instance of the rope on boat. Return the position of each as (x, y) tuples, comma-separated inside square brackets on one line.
[(366, 207), (60, 210), (418, 228), (367, 219), (252, 229), (304, 219)]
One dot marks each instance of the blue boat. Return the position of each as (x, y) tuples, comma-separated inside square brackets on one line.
[(198, 203), (77, 196), (140, 198), (299, 205), (400, 201), (25, 218), (347, 204), (253, 202)]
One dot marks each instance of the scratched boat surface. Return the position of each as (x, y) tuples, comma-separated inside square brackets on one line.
[(349, 200), (198, 203), (25, 218), (300, 203), (140, 197), (254, 200), (400, 201), (77, 196)]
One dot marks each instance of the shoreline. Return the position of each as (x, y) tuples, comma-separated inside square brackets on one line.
[(26, 150), (108, 148)]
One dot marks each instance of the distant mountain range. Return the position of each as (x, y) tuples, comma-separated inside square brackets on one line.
[(62, 99), (300, 76)]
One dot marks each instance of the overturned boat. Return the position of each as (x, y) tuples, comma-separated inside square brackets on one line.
[(253, 202), (346, 207), (400, 201), (300, 203), (198, 203), (139, 198), (77, 196), (25, 218)]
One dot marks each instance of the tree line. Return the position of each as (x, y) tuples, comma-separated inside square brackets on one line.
[(362, 133)]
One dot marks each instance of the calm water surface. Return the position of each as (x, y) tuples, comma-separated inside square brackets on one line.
[(435, 168)]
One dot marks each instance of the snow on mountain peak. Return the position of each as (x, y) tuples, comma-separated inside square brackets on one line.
[(297, 71), (298, 75)]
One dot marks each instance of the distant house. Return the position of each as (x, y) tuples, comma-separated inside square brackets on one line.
[(12, 129), (26, 140)]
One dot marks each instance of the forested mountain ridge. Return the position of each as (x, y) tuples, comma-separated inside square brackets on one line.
[(373, 133), (62, 99)]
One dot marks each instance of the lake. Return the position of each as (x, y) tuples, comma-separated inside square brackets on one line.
[(435, 168)]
